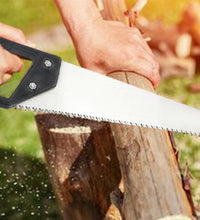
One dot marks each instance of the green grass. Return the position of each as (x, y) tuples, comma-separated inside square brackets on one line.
[(29, 15), (25, 191), (7, 89), (177, 89)]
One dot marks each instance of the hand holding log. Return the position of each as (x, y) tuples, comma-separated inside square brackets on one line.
[(107, 46)]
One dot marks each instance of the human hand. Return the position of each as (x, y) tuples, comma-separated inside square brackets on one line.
[(10, 63), (108, 46)]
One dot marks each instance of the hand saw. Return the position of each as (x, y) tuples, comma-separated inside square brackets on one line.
[(54, 86)]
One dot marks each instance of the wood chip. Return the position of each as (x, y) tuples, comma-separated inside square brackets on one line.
[(71, 130)]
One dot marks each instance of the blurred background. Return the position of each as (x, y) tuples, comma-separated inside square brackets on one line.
[(174, 27)]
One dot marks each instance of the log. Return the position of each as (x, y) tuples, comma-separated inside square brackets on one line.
[(159, 33), (153, 185), (172, 66), (82, 163), (171, 48), (190, 22)]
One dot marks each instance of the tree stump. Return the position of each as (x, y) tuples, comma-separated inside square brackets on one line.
[(83, 164)]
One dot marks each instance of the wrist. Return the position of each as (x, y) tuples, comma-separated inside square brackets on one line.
[(77, 28), (78, 15)]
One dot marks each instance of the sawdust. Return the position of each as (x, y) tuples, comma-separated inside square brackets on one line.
[(71, 130)]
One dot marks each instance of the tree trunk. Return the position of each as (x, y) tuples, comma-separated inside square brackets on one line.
[(153, 186)]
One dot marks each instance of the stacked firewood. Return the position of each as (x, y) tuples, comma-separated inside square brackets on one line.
[(176, 47)]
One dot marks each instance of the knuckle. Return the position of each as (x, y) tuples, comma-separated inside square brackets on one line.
[(136, 37), (20, 33), (136, 31)]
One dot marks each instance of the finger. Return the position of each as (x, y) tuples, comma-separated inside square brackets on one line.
[(9, 63), (6, 77), (14, 34), (147, 68), (136, 32), (14, 63), (137, 38)]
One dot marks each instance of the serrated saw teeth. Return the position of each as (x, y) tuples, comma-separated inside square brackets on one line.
[(100, 119)]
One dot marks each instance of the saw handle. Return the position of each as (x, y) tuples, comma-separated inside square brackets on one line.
[(42, 75)]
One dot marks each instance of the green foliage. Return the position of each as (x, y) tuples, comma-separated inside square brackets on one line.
[(29, 15), (7, 89)]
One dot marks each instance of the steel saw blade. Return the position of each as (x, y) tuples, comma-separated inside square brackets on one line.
[(86, 94)]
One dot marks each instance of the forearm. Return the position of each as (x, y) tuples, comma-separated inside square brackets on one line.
[(76, 14)]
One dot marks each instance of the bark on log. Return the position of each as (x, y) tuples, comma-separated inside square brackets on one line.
[(152, 180), (153, 185), (83, 164)]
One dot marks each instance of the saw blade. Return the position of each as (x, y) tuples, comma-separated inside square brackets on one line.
[(86, 94)]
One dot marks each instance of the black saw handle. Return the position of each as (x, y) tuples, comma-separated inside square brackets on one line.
[(42, 75)]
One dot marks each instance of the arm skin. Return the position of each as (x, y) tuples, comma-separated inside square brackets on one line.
[(10, 63), (106, 46)]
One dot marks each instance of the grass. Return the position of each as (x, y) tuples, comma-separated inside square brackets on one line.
[(7, 89), (25, 191), (29, 15), (177, 89)]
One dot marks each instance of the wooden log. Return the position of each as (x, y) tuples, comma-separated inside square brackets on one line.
[(171, 66), (111, 11), (172, 49), (159, 33), (190, 22), (82, 161), (152, 180)]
